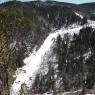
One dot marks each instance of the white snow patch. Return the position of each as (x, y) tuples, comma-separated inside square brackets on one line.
[(79, 15), (89, 94), (12, 45), (91, 23), (87, 55)]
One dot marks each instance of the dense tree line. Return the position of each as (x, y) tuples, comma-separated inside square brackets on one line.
[(75, 64), (10, 22)]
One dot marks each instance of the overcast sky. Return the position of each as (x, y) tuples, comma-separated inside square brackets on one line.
[(70, 1)]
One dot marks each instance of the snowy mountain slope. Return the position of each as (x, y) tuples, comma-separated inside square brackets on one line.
[(34, 60), (65, 63), (27, 73)]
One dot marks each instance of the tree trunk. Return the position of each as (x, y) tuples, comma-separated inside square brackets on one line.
[(7, 82)]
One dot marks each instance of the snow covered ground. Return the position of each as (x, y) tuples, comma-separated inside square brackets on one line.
[(27, 73)]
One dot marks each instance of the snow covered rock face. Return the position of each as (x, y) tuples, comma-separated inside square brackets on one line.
[(49, 59)]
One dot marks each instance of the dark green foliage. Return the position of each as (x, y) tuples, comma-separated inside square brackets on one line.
[(44, 83), (75, 63), (41, 12), (58, 16), (84, 20), (92, 17), (72, 64), (9, 22)]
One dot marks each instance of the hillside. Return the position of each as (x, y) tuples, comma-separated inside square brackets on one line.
[(46, 47)]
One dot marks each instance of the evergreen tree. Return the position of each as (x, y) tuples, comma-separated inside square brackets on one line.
[(84, 20), (8, 22)]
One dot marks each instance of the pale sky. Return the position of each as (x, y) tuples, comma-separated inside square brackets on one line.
[(76, 1), (70, 1)]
